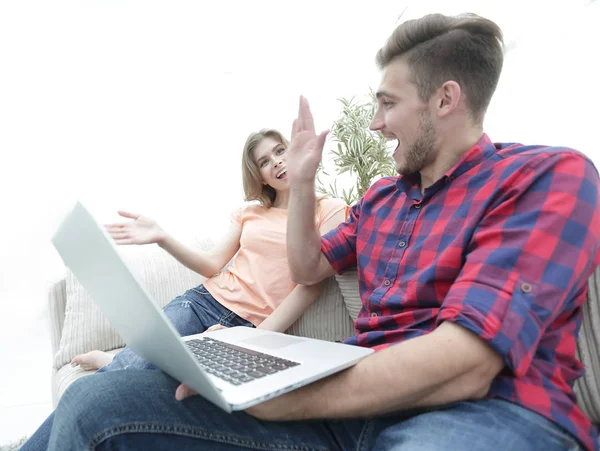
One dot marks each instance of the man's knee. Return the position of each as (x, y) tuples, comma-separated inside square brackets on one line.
[(79, 413), (85, 394)]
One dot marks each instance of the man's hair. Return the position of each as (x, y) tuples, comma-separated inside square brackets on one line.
[(467, 49)]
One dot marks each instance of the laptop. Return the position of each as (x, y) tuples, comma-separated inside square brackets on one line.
[(233, 368)]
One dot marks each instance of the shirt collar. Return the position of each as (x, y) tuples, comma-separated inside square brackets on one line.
[(477, 154), (481, 151)]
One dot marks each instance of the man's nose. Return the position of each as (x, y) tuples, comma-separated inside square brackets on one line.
[(377, 122)]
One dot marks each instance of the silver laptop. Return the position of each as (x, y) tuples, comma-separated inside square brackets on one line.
[(234, 368)]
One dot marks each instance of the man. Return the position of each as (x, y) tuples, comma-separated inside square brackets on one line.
[(473, 265)]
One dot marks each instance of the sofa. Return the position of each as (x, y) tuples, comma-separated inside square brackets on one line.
[(77, 326)]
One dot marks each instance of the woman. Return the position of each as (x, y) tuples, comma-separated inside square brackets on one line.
[(256, 290)]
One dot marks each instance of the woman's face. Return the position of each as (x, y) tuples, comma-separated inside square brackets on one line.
[(270, 158)]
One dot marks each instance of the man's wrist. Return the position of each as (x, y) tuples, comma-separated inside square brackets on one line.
[(302, 185)]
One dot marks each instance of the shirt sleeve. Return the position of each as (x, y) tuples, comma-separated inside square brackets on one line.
[(527, 263), (327, 209), (339, 244), (236, 216)]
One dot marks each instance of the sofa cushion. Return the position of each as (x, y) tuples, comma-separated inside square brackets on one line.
[(65, 376), (348, 283), (587, 387), (85, 327), (327, 318)]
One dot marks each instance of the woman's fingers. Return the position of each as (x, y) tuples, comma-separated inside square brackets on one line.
[(118, 226), (216, 327), (122, 241), (127, 214)]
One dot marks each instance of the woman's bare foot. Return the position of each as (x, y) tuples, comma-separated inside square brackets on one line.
[(92, 360)]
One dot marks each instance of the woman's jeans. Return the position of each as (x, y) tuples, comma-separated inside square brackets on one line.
[(192, 313)]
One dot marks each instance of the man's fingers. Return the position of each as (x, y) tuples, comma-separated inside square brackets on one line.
[(183, 392), (294, 128), (298, 121), (305, 114), (321, 141)]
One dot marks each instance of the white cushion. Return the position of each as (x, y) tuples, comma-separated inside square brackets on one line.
[(65, 376), (327, 318), (348, 283), (85, 327)]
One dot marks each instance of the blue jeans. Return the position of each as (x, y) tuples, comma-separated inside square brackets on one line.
[(191, 313), (136, 409)]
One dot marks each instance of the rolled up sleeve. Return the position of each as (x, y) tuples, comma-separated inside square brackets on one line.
[(527, 262), (339, 244)]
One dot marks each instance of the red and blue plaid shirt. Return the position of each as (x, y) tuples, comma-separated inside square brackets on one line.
[(502, 245)]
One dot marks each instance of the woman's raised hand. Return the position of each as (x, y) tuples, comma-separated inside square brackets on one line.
[(142, 230)]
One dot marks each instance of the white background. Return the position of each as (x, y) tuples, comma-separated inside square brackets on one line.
[(145, 105)]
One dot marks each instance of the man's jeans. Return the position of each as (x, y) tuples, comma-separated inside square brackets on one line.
[(192, 313), (137, 410)]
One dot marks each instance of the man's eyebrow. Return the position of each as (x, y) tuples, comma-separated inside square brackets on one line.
[(380, 94)]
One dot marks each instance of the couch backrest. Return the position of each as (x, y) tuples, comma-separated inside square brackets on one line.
[(78, 326), (57, 303), (587, 387)]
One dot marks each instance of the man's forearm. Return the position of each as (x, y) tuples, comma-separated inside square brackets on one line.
[(431, 370), (303, 239)]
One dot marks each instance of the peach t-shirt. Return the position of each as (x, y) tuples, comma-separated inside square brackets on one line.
[(258, 279)]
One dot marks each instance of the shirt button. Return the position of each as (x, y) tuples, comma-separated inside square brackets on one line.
[(373, 314), (526, 287), (387, 283), (402, 244)]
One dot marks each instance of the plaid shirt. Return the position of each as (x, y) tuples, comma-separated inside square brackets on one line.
[(502, 245)]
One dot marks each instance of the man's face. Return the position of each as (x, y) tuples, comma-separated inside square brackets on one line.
[(403, 116)]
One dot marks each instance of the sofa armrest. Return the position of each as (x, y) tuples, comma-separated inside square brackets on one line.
[(57, 303), (587, 388)]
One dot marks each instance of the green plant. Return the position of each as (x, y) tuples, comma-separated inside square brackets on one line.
[(361, 153)]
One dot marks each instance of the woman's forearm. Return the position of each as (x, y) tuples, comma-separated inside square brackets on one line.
[(195, 259), (292, 308)]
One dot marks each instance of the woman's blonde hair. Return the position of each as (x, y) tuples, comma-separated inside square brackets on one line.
[(254, 188)]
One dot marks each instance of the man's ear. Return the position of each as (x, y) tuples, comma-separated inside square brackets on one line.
[(447, 98)]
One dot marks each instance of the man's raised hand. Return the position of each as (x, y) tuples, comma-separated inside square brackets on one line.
[(306, 147)]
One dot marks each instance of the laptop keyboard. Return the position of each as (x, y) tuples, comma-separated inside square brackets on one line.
[(235, 364)]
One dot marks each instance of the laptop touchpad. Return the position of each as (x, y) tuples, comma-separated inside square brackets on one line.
[(272, 341)]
